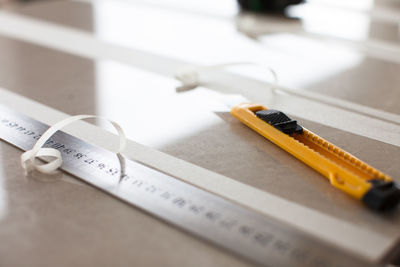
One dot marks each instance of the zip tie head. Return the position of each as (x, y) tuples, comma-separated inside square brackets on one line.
[(189, 79), (28, 161)]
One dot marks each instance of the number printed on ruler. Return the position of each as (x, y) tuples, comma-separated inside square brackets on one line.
[(240, 230)]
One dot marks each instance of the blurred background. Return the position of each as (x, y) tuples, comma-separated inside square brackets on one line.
[(338, 65), (335, 51)]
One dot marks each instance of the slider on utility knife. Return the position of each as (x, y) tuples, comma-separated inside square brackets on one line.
[(346, 172)]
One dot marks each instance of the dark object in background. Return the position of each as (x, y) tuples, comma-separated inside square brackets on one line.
[(276, 6)]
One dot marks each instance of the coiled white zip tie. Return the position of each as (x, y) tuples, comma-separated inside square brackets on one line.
[(28, 158), (189, 76)]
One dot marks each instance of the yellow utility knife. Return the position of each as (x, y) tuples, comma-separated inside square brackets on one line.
[(344, 171)]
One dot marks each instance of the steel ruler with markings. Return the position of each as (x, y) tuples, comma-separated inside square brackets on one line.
[(260, 239)]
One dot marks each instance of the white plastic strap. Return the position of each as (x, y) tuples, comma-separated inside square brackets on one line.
[(28, 158), (189, 76)]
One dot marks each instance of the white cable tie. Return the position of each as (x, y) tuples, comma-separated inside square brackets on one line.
[(29, 163), (189, 76)]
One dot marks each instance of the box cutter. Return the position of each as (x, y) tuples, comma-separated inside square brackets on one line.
[(344, 171)]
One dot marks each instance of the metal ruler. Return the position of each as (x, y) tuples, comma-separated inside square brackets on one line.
[(256, 237)]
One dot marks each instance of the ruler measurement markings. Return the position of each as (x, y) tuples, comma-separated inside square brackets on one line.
[(249, 234)]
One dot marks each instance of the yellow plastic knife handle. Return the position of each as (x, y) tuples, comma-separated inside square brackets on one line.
[(344, 171)]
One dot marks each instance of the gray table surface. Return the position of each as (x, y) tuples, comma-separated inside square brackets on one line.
[(64, 224)]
